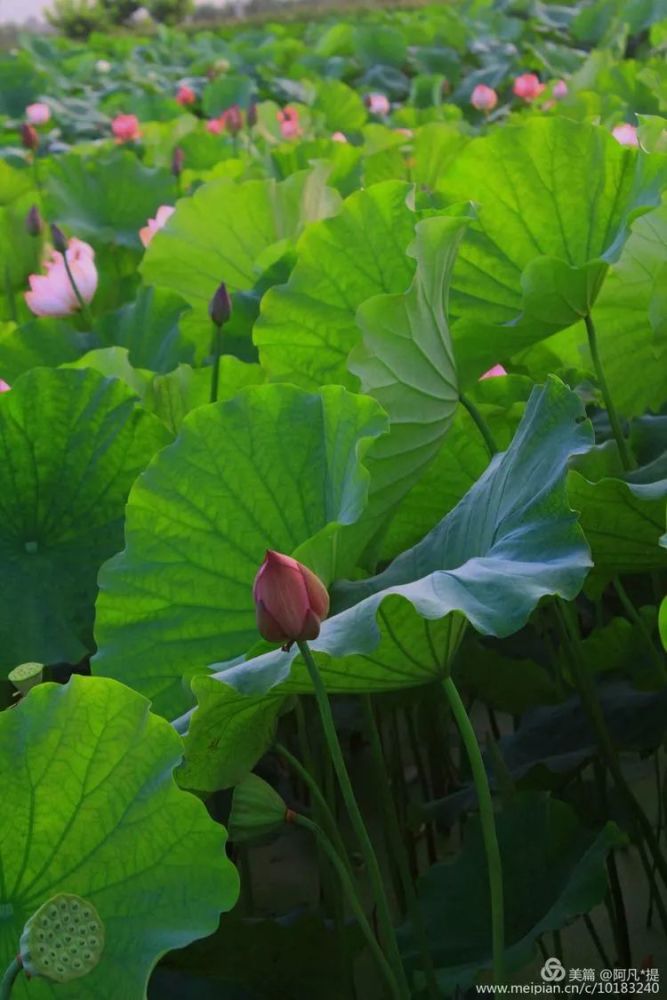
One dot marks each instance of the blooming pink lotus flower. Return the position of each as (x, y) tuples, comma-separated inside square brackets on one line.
[(126, 128), (494, 372), (528, 86), (51, 294), (339, 137), (288, 119), (483, 98), (626, 134), (37, 114), (215, 126), (4, 386), (185, 95), (290, 600), (147, 232), (377, 104), (560, 90)]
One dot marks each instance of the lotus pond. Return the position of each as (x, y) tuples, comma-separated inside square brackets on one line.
[(333, 477)]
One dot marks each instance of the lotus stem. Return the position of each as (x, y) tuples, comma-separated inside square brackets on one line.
[(481, 424), (614, 420), (9, 977)]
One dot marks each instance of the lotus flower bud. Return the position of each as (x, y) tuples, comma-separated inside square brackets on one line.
[(220, 306), (251, 115), (63, 940), (38, 113), (528, 86), (290, 600), (233, 119), (29, 136), (177, 161), (257, 809), (483, 98), (58, 239), (33, 222)]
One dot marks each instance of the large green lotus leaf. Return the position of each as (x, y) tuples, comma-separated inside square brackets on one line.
[(71, 445), (172, 396), (623, 522), (513, 525), (552, 876), (91, 807), (406, 362), (307, 327), (275, 468), (14, 182), (149, 329), (461, 459), (340, 105), (526, 213), (42, 342), (222, 231), (662, 621), (106, 199), (19, 252)]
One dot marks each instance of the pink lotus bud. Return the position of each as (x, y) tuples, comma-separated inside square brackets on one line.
[(251, 115), (232, 119), (185, 95), (494, 372), (483, 98), (339, 137), (559, 90), (289, 123), (33, 222), (37, 114), (220, 306), (528, 86), (126, 128), (4, 386), (163, 214), (177, 161), (214, 126), (626, 134), (29, 137), (290, 600), (377, 104), (51, 294)]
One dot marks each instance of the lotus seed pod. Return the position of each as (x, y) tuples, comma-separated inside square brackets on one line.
[(257, 809), (26, 676), (63, 939)]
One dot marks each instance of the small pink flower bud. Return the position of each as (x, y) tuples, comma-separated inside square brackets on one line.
[(339, 137), (494, 372), (483, 98), (177, 161), (37, 114), (251, 115), (4, 386), (232, 119), (29, 137), (33, 222), (125, 128), (220, 306), (560, 90), (626, 134), (290, 600), (185, 95), (58, 239), (528, 86), (377, 104)]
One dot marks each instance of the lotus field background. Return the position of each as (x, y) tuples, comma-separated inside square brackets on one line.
[(384, 292)]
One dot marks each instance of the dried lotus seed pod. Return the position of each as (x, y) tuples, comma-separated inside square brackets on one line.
[(63, 939)]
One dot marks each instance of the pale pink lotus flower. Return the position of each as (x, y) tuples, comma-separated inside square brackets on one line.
[(51, 294), (125, 128), (288, 119), (4, 386), (494, 372), (377, 104), (215, 126), (483, 98), (37, 114), (339, 137), (185, 95), (626, 134), (163, 214), (559, 90), (528, 86)]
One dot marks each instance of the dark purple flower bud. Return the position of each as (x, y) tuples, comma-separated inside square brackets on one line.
[(251, 115), (177, 161), (29, 137), (58, 239), (33, 221), (233, 119), (220, 306)]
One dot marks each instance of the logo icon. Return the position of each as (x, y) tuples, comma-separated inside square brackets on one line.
[(552, 971)]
